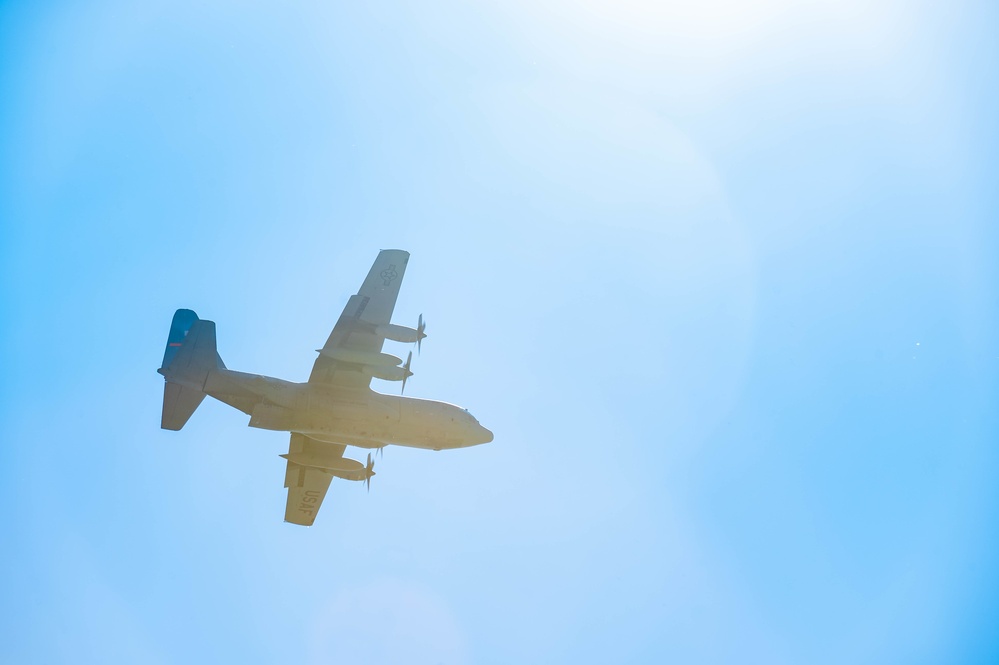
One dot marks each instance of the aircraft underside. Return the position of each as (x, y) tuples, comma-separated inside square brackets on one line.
[(336, 407), (364, 419)]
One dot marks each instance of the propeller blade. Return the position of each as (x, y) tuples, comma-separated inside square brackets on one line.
[(406, 371), (421, 326), (369, 471)]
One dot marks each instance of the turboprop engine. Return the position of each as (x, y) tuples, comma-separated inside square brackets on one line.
[(397, 333), (403, 334), (341, 467), (368, 358), (387, 373), (378, 365)]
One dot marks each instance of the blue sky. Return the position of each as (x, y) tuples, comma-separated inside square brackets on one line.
[(721, 279)]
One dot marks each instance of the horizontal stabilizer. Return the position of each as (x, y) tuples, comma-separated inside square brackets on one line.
[(179, 402)]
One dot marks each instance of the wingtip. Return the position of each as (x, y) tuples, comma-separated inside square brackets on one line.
[(287, 521)]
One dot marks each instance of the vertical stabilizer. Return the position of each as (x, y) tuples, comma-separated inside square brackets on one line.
[(183, 319), (190, 356), (196, 356)]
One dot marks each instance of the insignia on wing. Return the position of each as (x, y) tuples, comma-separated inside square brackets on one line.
[(388, 274)]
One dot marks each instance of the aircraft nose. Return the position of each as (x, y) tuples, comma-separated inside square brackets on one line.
[(485, 434)]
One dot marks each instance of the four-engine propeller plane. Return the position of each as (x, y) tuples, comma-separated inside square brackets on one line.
[(336, 407)]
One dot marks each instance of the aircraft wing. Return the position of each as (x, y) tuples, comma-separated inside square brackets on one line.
[(307, 485), (354, 330)]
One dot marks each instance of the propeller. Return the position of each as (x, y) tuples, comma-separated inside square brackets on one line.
[(421, 328), (406, 372), (369, 471)]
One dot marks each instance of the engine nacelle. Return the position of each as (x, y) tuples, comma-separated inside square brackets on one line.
[(386, 373), (368, 358), (398, 333), (341, 467)]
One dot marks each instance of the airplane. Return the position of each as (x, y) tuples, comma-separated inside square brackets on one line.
[(336, 407)]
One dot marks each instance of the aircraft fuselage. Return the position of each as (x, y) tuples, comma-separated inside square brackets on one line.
[(357, 417)]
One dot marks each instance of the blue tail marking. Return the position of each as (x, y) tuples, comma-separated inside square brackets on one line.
[(183, 319)]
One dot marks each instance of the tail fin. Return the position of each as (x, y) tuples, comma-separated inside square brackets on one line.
[(190, 356), (183, 319)]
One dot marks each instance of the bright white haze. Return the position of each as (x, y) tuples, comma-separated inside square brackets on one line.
[(720, 277)]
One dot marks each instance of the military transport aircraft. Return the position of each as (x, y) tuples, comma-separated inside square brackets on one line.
[(336, 407)]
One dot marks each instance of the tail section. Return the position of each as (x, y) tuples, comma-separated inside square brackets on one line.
[(179, 403), (190, 355), (183, 319)]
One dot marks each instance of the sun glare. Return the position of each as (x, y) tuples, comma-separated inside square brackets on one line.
[(731, 25)]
